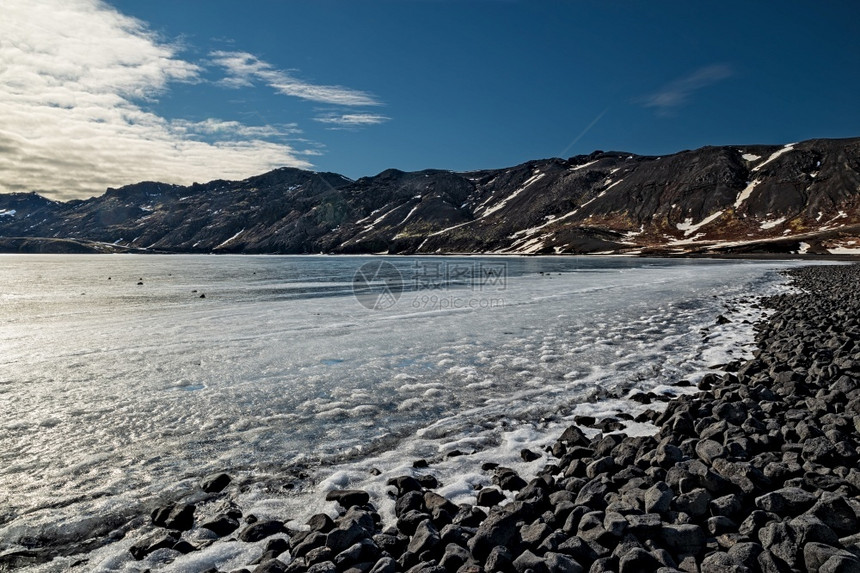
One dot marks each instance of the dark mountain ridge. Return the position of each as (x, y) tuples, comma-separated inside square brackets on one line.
[(796, 198)]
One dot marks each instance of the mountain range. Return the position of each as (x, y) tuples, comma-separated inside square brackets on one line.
[(801, 198)]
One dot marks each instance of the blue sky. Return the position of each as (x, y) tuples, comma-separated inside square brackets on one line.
[(104, 93)]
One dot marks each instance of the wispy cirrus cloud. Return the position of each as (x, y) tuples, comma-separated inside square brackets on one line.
[(75, 79), (337, 120), (212, 126), (244, 69), (678, 92)]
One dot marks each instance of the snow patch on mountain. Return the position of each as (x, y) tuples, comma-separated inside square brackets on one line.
[(689, 227), (771, 224), (774, 155), (747, 191)]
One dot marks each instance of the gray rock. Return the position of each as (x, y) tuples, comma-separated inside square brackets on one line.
[(836, 513), (808, 527), (604, 565), (786, 501), (271, 566), (360, 516), (320, 522), (746, 553), (755, 521), (408, 522), (499, 559), (573, 436), (668, 454), (324, 567), (456, 534), (469, 516), (686, 539), (384, 565), (727, 505), (637, 560), (614, 523), (528, 561), (409, 501), (153, 542), (593, 494), (559, 563), (841, 563), (433, 501), (768, 563), (490, 496), (591, 526), (508, 479), (580, 551), (318, 555), (694, 503), (600, 466), (179, 517), (454, 557), (500, 528), (221, 525), (720, 562), (426, 538), (720, 524), (534, 533), (348, 497), (658, 498), (261, 530), (644, 524), (779, 539), (405, 484), (819, 450), (304, 545), (343, 537), (215, 483), (709, 450), (363, 551), (816, 555)]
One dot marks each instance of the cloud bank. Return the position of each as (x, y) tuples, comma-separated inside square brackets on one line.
[(74, 80)]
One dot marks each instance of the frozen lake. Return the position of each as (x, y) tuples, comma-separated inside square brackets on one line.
[(116, 395)]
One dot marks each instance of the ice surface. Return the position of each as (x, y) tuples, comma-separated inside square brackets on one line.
[(117, 397)]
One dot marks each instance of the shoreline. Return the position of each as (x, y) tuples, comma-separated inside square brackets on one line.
[(754, 472), (536, 540), (85, 247)]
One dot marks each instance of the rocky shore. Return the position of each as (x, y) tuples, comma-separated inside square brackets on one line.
[(756, 472)]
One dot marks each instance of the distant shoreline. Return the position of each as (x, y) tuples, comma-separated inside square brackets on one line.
[(50, 246)]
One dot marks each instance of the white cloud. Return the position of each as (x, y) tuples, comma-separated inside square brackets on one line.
[(244, 68), (214, 126), (350, 120), (72, 79), (677, 92)]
